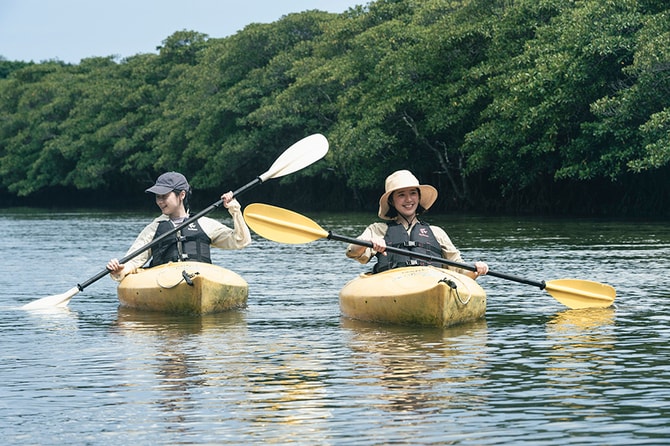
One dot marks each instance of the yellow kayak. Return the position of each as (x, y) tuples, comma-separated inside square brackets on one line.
[(184, 287), (417, 295)]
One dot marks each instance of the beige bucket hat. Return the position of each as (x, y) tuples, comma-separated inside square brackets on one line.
[(400, 180)]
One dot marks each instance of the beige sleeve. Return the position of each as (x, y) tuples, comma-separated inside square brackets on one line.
[(144, 238), (364, 254), (224, 237)]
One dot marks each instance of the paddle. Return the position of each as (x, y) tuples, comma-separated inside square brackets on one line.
[(300, 155), (284, 226)]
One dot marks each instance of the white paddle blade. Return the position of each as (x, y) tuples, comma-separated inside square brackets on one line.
[(59, 300), (303, 153)]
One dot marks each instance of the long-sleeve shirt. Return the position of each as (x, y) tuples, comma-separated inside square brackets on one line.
[(221, 237), (379, 229)]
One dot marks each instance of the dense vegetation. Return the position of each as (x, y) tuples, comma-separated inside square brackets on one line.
[(546, 106)]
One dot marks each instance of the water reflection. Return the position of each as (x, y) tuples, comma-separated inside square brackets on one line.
[(289, 369), (174, 356), (576, 323), (51, 320), (135, 322), (287, 387), (580, 340), (578, 361), (418, 367)]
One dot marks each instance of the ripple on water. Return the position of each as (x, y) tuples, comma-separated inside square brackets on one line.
[(288, 368)]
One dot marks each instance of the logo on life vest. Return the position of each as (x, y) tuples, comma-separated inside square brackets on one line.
[(423, 232), (192, 227)]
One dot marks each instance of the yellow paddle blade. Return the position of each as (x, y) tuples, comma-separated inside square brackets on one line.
[(281, 225), (577, 294)]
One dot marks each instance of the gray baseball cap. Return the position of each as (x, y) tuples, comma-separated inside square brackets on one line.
[(168, 182)]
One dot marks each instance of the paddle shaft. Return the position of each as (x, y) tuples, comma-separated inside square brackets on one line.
[(542, 285), (172, 231)]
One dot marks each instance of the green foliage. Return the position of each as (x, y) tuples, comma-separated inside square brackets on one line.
[(563, 107), (489, 99), (7, 67), (643, 106)]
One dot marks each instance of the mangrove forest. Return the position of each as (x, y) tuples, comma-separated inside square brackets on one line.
[(545, 107)]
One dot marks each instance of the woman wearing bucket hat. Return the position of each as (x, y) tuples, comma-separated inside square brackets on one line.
[(172, 197), (403, 201)]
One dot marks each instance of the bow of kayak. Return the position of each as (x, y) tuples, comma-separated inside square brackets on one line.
[(184, 288), (422, 295)]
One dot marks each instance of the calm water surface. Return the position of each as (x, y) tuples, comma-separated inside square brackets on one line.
[(288, 369)]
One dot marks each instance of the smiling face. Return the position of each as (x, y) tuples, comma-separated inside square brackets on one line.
[(406, 201), (171, 204)]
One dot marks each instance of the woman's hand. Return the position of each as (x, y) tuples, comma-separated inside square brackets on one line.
[(114, 267), (378, 244), (482, 269), (355, 251), (227, 198)]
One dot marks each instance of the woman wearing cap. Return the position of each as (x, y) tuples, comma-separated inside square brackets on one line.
[(402, 203), (172, 197)]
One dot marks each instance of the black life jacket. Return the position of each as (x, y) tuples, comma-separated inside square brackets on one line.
[(189, 243), (420, 240)]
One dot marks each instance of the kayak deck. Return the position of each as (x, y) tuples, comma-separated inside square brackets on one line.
[(184, 288), (422, 295)]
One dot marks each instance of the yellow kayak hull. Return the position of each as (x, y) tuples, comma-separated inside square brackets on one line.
[(421, 295), (164, 288)]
